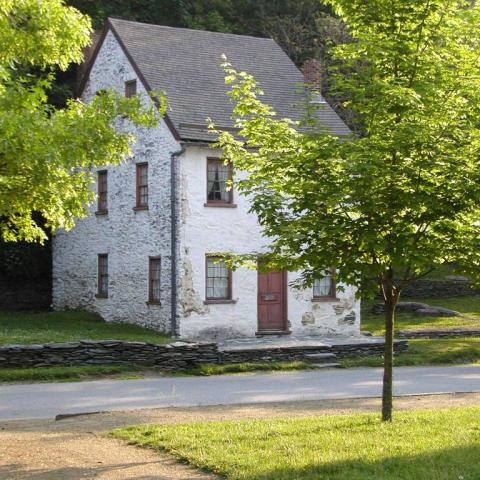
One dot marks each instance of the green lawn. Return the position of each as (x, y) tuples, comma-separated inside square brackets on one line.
[(468, 306), (67, 326), (447, 351), (433, 445), (70, 373)]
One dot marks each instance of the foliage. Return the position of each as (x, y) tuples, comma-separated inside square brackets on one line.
[(68, 326), (401, 198), (47, 155), (435, 444)]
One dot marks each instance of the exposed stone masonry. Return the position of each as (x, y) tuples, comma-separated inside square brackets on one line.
[(170, 357)]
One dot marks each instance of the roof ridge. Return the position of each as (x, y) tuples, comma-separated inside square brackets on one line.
[(211, 32)]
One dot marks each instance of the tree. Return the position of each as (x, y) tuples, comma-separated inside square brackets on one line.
[(47, 155), (390, 205)]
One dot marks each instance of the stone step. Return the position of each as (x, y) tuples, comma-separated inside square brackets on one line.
[(319, 357), (326, 365)]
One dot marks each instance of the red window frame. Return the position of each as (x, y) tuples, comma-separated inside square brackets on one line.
[(154, 277), (219, 202), (210, 299), (102, 275), (141, 188), (102, 191), (130, 88), (333, 290)]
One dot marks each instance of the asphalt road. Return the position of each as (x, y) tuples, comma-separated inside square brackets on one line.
[(46, 400)]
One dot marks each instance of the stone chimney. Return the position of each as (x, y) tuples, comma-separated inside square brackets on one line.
[(312, 74)]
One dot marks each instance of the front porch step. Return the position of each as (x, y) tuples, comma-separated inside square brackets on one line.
[(320, 357), (326, 365)]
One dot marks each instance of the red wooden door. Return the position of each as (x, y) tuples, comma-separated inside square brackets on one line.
[(272, 301)]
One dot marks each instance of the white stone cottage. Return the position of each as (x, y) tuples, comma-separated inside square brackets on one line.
[(143, 255)]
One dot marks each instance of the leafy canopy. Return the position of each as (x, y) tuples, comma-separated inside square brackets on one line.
[(47, 156), (401, 198)]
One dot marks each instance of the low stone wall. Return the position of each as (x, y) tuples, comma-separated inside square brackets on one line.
[(169, 357), (448, 287), (439, 333), (367, 349), (285, 354)]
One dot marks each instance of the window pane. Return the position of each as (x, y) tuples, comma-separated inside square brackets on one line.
[(142, 185), (154, 287), (103, 274), (218, 175), (218, 279), (102, 191), (323, 287), (130, 88)]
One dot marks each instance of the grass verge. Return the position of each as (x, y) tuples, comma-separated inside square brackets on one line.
[(445, 351), (434, 445), (469, 307), (68, 326), (68, 373)]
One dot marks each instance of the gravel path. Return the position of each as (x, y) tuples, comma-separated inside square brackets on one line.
[(77, 447)]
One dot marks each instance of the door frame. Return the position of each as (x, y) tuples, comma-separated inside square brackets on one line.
[(284, 330)]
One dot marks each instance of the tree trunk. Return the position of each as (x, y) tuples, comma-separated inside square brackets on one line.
[(390, 304)]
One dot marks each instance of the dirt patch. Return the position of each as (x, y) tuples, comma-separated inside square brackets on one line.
[(78, 447)]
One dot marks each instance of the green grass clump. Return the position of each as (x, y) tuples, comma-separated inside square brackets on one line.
[(433, 445), (67, 326), (64, 373), (445, 351), (212, 369), (469, 307)]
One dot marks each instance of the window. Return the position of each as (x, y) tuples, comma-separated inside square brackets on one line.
[(154, 265), (102, 275), (218, 280), (142, 185), (130, 88), (102, 186), (324, 288), (218, 175)]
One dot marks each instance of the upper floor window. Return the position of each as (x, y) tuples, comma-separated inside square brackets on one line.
[(142, 185), (218, 176), (154, 267), (324, 288), (218, 280), (130, 88), (102, 280), (102, 189)]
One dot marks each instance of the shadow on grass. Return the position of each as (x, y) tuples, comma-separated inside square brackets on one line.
[(461, 463)]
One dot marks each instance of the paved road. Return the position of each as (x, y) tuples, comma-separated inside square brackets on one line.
[(49, 399)]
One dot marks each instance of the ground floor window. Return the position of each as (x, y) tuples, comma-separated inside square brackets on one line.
[(154, 268), (324, 287), (102, 275), (218, 279)]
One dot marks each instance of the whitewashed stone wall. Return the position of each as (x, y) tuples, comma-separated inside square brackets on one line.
[(127, 236), (212, 230)]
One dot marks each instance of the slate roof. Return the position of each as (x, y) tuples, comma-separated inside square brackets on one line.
[(185, 64)]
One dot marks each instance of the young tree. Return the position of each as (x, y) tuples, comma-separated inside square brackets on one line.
[(388, 206), (47, 155)]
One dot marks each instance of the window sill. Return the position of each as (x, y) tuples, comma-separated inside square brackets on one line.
[(220, 205), (219, 301), (325, 299), (139, 209), (100, 213), (152, 302), (101, 295)]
